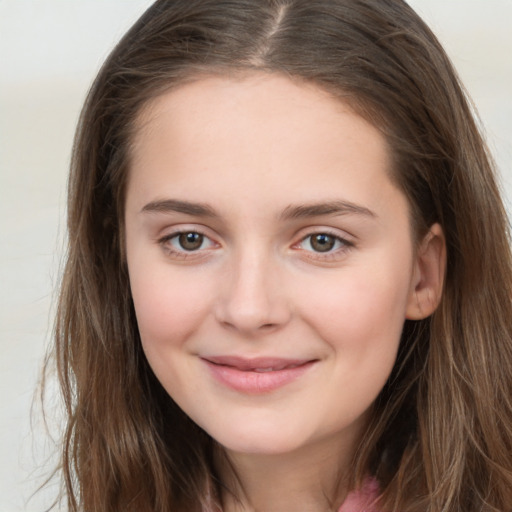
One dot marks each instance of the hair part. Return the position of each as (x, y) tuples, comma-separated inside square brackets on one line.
[(440, 436)]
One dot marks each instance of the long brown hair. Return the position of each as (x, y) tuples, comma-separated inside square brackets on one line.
[(440, 438)]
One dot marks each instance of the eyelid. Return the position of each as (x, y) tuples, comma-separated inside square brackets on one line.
[(347, 242), (175, 231)]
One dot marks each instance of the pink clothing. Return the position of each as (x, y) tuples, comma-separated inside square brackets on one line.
[(361, 500), (357, 501)]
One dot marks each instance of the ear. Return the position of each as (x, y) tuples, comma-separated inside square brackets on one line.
[(428, 275)]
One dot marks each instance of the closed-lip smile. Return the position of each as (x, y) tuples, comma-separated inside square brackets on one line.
[(256, 375)]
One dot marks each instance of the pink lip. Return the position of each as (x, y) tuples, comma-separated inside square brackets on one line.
[(258, 375)]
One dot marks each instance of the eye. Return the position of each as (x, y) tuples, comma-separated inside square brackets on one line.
[(323, 243), (189, 241), (186, 241)]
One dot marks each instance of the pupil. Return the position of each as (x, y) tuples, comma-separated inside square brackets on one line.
[(322, 242), (190, 241)]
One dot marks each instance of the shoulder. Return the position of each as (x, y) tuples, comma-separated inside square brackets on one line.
[(362, 499)]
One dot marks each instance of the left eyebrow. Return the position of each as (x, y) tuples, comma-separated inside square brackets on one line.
[(327, 208)]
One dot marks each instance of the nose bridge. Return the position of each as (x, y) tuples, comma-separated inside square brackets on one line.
[(253, 297)]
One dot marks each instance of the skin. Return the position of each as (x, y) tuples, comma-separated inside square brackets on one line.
[(253, 150)]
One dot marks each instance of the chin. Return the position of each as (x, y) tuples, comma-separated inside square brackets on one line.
[(263, 440), (261, 446)]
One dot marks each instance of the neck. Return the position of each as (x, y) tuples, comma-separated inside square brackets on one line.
[(310, 479)]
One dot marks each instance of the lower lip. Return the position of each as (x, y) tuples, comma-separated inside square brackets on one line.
[(255, 383)]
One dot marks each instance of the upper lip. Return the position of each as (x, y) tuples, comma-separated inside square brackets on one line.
[(256, 363)]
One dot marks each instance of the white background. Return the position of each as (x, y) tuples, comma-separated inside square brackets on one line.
[(49, 53)]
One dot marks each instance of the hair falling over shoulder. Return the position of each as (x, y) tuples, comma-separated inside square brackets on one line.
[(440, 438)]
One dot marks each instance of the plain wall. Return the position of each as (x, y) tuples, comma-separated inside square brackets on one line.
[(49, 53)]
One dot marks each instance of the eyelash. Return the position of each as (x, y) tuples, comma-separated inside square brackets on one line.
[(341, 245), (170, 249)]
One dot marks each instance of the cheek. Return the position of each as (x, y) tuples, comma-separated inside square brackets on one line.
[(360, 312), (168, 306), (360, 320)]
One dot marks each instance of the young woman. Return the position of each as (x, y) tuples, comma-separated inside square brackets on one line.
[(289, 277)]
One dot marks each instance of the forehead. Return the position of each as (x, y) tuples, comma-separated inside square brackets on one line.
[(263, 134), (271, 102)]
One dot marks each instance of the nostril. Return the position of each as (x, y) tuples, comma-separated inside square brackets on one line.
[(251, 306), (265, 327)]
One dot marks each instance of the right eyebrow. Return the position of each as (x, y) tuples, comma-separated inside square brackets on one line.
[(175, 205)]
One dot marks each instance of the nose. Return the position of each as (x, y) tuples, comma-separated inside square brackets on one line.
[(252, 298)]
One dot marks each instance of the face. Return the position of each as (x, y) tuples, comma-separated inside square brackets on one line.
[(270, 258)]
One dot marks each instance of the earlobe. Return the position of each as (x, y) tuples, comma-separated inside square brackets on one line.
[(428, 277)]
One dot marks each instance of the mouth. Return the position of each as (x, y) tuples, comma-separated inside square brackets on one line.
[(257, 375)]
